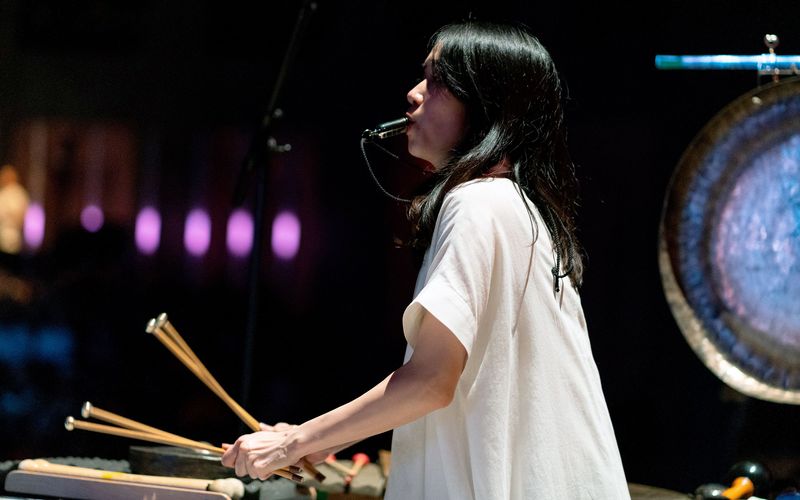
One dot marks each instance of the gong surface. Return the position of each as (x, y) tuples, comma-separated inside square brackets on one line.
[(176, 462), (729, 243)]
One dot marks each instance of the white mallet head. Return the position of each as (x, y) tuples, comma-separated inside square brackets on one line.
[(231, 486)]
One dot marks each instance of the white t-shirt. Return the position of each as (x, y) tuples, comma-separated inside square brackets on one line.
[(528, 419)]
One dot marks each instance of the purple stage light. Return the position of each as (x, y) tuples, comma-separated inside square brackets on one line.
[(240, 233), (197, 232), (33, 230), (92, 218), (286, 235), (148, 230)]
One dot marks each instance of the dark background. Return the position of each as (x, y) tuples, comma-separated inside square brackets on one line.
[(195, 78)]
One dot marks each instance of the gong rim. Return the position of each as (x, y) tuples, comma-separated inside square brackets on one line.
[(734, 351)]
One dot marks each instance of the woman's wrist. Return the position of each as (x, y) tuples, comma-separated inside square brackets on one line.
[(297, 443)]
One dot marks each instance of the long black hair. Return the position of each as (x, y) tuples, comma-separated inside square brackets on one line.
[(512, 94)]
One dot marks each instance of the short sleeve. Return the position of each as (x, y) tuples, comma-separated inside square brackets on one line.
[(457, 282)]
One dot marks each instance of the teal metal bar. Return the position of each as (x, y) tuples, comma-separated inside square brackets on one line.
[(762, 62)]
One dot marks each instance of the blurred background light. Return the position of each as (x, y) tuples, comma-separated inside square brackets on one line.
[(240, 233), (197, 232), (148, 230), (286, 235), (33, 230), (92, 218)]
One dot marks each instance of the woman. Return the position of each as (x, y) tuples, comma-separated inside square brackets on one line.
[(499, 396)]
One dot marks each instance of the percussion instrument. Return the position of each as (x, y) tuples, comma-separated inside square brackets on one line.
[(173, 461), (369, 481), (745, 479), (35, 484), (729, 243), (42, 477), (192, 470)]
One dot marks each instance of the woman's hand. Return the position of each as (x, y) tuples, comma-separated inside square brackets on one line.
[(280, 426), (258, 454), (427, 382)]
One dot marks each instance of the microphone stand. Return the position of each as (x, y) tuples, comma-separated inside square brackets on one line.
[(255, 163)]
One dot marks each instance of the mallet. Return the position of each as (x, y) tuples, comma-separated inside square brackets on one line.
[(230, 486)]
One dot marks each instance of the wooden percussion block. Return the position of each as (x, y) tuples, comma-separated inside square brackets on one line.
[(39, 483)]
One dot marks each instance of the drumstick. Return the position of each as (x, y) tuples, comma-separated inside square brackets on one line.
[(202, 374), (163, 323), (173, 341), (90, 411), (230, 486), (71, 424)]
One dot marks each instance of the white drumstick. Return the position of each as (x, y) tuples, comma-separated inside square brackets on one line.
[(230, 486)]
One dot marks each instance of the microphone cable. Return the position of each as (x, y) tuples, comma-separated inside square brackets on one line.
[(383, 131)]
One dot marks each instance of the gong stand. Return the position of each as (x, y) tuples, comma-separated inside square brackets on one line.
[(768, 64), (256, 162)]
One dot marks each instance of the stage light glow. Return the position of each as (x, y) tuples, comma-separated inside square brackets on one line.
[(33, 230), (286, 235), (92, 218), (148, 230), (239, 237), (197, 232)]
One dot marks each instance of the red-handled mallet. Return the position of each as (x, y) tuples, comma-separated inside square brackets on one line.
[(359, 461), (340, 468)]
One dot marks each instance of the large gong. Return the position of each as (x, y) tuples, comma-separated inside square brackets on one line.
[(729, 243)]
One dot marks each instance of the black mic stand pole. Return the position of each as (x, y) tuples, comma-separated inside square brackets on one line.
[(256, 162)]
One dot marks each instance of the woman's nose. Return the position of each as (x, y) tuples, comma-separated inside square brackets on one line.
[(414, 95)]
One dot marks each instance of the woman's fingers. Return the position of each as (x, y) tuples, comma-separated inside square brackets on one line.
[(241, 466), (230, 455), (257, 455), (262, 471)]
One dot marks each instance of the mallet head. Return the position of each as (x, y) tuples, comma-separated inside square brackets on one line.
[(86, 411)]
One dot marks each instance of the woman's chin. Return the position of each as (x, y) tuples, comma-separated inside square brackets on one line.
[(425, 164)]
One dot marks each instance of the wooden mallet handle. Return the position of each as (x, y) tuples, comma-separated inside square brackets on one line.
[(231, 486), (359, 460), (742, 487), (341, 468), (175, 343), (90, 411), (71, 424), (203, 375)]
